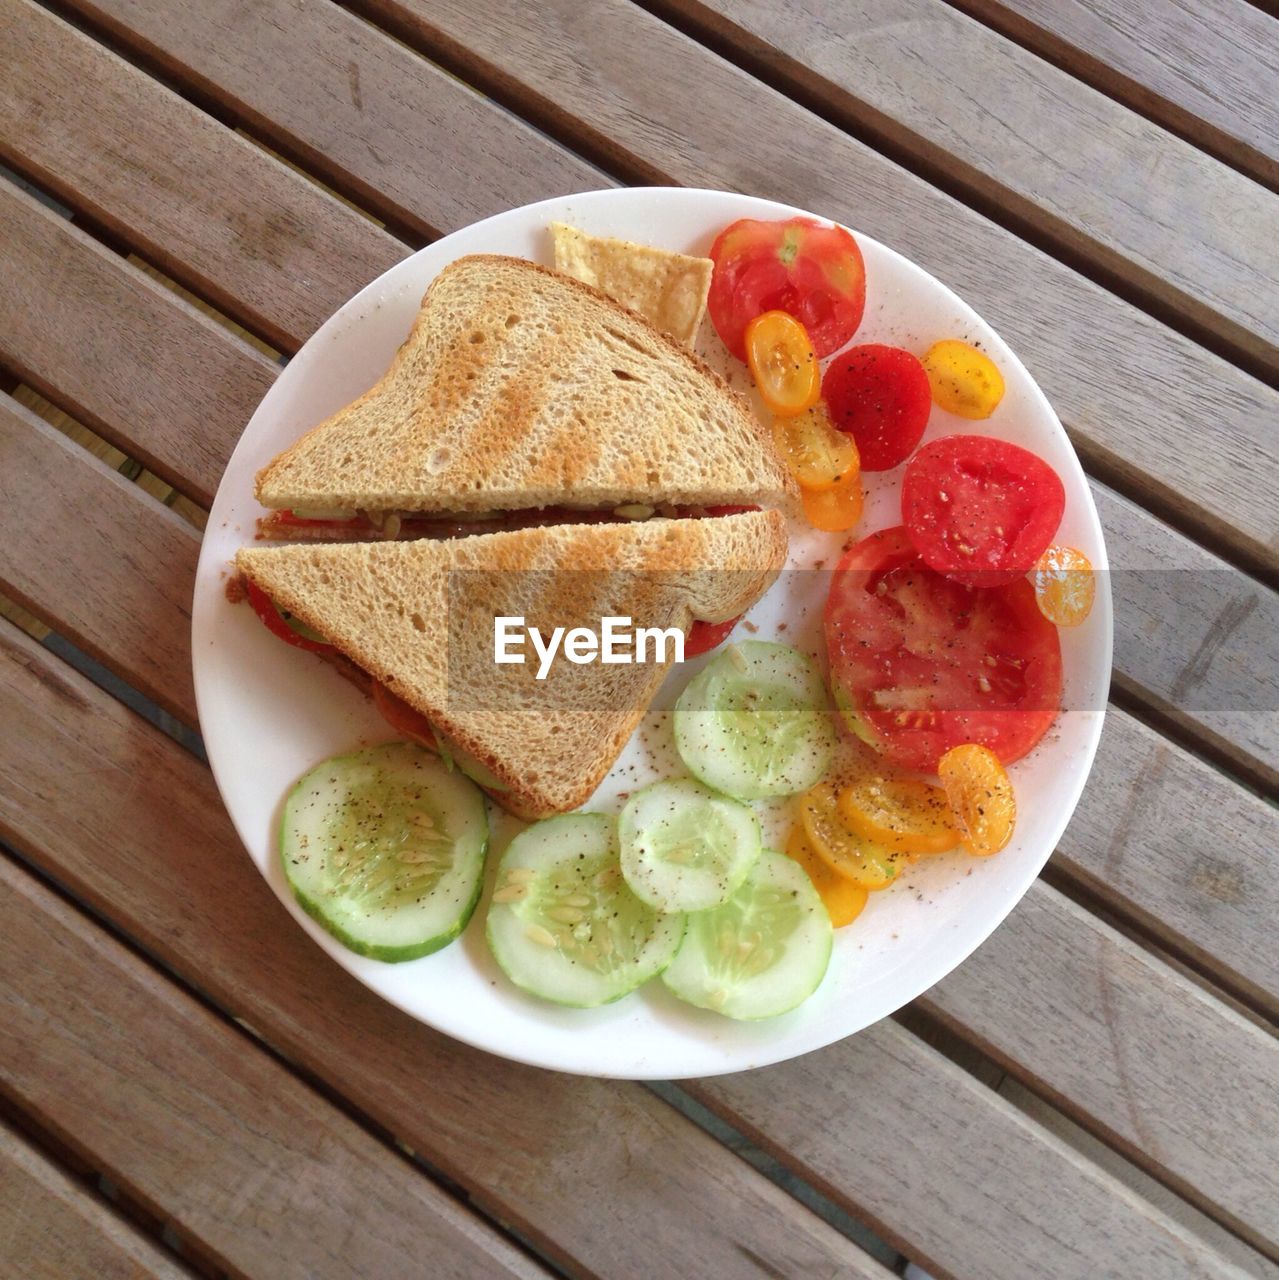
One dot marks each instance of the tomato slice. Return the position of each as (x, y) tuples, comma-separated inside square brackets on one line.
[(862, 861), (981, 798), (704, 636), (407, 721), (1065, 585), (783, 363), (801, 266), (837, 509), (283, 624), (922, 663), (818, 456), (906, 814), (980, 510), (965, 381), (844, 899), (881, 397)]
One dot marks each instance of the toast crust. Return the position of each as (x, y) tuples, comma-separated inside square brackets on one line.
[(522, 387)]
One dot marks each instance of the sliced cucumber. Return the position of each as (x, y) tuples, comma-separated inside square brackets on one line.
[(685, 848), (564, 926), (760, 954), (385, 848), (754, 723)]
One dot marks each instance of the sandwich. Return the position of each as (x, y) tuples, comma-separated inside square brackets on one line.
[(523, 396), (412, 622), (537, 450)]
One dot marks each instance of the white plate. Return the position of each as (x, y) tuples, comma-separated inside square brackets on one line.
[(269, 712)]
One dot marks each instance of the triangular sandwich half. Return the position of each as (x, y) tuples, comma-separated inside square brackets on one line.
[(520, 388), (418, 617)]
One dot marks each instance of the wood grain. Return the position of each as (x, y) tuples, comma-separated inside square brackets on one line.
[(120, 564), (594, 1171), (1126, 385), (51, 1228), (1081, 1014), (897, 1123), (910, 1137), (92, 334), (358, 109), (1202, 67), (1071, 166), (209, 1132), (261, 242), (1194, 638)]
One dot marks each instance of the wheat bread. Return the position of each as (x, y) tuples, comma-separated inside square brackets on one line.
[(418, 616), (520, 387)]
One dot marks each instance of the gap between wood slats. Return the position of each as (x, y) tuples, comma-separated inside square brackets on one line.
[(261, 1044), (1106, 76), (783, 74)]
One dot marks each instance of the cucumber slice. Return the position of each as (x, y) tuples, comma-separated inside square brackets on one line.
[(760, 954), (754, 722), (385, 848), (564, 926), (685, 848)]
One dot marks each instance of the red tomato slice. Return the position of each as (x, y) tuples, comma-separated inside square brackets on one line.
[(801, 266), (279, 625), (979, 510), (407, 721), (881, 396), (922, 663), (705, 636)]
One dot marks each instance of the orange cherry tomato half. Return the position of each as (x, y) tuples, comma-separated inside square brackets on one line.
[(964, 381), (844, 899), (783, 363), (981, 797), (836, 509), (906, 814), (1065, 585), (865, 863), (818, 456)]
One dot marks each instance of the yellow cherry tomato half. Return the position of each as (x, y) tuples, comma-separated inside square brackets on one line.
[(835, 509), (844, 898), (865, 863), (900, 813), (1064, 586), (783, 363), (981, 797), (818, 455), (964, 381)]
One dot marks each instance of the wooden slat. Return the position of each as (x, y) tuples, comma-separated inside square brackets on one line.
[(594, 1171), (51, 1228), (891, 1106), (113, 143), (1128, 387), (1170, 842), (1205, 68), (1010, 130), (906, 1135), (63, 329), (121, 563), (354, 107), (1194, 638), (1079, 1012), (195, 1120)]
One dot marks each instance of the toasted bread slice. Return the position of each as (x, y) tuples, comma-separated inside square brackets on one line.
[(419, 616), (520, 387)]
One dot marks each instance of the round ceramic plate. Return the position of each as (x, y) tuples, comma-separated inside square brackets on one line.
[(269, 712)]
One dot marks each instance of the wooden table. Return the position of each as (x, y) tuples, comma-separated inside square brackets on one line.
[(189, 1086)]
